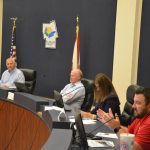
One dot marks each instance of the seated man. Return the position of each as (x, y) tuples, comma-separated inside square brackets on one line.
[(73, 93), (140, 127), (11, 75)]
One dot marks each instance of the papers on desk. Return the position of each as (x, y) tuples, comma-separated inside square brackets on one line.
[(53, 108), (85, 121), (109, 135), (89, 121), (100, 143), (71, 119)]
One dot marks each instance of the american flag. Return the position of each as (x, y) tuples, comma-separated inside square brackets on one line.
[(76, 51), (13, 43)]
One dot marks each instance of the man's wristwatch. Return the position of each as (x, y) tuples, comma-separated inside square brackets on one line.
[(116, 130)]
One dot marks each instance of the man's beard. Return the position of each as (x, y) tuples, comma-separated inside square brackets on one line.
[(140, 116)]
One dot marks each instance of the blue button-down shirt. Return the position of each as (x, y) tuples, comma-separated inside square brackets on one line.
[(73, 94), (9, 77)]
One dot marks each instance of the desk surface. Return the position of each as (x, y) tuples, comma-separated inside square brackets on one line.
[(102, 128), (60, 139), (88, 128), (105, 129)]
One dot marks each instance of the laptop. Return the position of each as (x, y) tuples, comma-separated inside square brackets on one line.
[(20, 86), (85, 142), (81, 131), (59, 101)]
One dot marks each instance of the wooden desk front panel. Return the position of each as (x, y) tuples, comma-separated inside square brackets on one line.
[(21, 129)]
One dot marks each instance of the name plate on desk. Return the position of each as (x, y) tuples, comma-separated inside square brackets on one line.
[(4, 92)]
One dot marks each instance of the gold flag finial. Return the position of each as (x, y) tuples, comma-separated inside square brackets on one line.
[(77, 26), (14, 23), (14, 20)]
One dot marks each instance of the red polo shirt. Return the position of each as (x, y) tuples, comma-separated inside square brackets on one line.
[(141, 129)]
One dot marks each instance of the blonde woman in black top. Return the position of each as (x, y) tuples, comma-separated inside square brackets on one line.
[(105, 97)]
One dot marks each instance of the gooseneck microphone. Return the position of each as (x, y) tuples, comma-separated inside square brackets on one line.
[(90, 134)]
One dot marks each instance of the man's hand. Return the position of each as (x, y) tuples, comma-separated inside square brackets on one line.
[(104, 117)]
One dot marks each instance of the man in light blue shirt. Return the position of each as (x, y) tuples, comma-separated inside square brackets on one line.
[(73, 93), (11, 75)]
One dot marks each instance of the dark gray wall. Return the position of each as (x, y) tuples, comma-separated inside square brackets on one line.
[(144, 54), (97, 28)]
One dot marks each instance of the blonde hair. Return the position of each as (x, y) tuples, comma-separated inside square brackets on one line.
[(103, 87)]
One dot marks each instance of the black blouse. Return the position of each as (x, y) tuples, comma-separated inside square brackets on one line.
[(112, 101)]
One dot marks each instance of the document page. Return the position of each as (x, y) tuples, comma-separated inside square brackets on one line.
[(109, 135), (89, 121), (100, 143), (53, 108), (85, 121)]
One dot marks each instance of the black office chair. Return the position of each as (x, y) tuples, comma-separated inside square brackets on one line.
[(30, 80), (127, 116), (89, 94)]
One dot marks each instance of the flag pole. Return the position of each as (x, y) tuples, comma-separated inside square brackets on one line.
[(78, 46), (13, 44), (76, 52)]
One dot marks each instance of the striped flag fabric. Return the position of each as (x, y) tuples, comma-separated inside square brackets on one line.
[(76, 51), (13, 43)]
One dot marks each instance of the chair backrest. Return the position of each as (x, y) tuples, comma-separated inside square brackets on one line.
[(30, 80), (127, 116), (89, 94)]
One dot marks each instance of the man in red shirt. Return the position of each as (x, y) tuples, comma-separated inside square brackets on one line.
[(140, 127)]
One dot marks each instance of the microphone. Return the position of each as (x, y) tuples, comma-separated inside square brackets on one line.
[(90, 135), (62, 116)]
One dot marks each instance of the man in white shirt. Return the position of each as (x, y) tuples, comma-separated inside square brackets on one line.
[(11, 75), (73, 93)]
